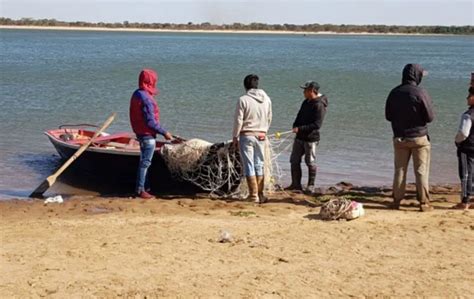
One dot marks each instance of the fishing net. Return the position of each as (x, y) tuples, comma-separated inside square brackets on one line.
[(341, 208), (212, 167), (216, 168)]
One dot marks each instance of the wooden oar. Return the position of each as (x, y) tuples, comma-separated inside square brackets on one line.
[(38, 193), (178, 139)]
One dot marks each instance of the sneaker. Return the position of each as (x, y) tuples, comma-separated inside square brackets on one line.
[(426, 208), (145, 195)]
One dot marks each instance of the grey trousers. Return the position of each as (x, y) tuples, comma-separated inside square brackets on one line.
[(308, 149), (466, 171)]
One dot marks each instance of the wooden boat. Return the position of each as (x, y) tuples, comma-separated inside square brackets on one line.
[(114, 158)]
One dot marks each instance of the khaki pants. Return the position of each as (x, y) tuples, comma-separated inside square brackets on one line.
[(404, 148)]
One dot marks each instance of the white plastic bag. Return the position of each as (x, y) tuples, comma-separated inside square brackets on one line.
[(54, 199), (356, 211)]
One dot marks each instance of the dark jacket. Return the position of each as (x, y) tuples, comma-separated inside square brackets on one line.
[(409, 107), (144, 111), (467, 146), (310, 118)]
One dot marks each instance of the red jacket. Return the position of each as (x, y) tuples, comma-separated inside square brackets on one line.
[(144, 111)]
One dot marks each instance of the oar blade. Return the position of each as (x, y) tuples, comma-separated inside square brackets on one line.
[(52, 178), (38, 193)]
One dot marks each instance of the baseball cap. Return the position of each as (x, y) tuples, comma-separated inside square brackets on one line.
[(310, 84)]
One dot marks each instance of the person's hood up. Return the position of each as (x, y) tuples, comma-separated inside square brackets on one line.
[(258, 94), (412, 73), (147, 81)]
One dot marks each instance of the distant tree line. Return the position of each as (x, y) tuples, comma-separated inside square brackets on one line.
[(251, 27)]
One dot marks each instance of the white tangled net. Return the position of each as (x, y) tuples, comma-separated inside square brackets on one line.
[(216, 168), (341, 208)]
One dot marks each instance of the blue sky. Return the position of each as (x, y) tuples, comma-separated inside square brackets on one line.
[(389, 12)]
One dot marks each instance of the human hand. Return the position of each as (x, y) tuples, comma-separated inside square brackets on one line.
[(168, 136), (177, 139), (235, 142), (295, 130)]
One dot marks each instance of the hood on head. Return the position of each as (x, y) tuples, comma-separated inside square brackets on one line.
[(258, 94), (147, 81), (412, 73)]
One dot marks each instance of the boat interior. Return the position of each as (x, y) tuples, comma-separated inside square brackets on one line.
[(121, 140)]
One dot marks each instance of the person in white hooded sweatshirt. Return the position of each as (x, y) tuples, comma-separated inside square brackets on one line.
[(253, 116)]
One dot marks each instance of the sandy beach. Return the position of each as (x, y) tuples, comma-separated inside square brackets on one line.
[(169, 247), (71, 28)]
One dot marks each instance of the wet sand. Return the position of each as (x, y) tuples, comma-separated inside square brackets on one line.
[(169, 247)]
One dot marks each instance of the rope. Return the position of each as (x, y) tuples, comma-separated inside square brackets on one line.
[(279, 134)]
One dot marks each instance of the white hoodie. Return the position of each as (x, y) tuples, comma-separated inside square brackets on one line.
[(253, 112)]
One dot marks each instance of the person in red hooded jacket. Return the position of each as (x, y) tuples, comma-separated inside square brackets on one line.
[(145, 121)]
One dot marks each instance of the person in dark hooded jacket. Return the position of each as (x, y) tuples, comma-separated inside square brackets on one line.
[(464, 141), (145, 121), (307, 124), (409, 109)]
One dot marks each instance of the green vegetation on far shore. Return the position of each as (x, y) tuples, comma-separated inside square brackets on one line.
[(309, 28)]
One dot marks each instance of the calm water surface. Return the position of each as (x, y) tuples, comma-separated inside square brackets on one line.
[(50, 78)]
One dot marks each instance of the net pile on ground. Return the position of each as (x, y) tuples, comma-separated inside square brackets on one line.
[(212, 167), (341, 208), (216, 168)]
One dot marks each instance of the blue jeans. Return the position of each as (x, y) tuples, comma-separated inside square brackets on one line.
[(252, 153), (147, 149)]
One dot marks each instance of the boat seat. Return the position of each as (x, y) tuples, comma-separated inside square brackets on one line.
[(114, 136), (104, 139)]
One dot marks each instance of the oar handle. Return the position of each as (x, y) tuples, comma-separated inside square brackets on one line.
[(84, 146), (178, 138)]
